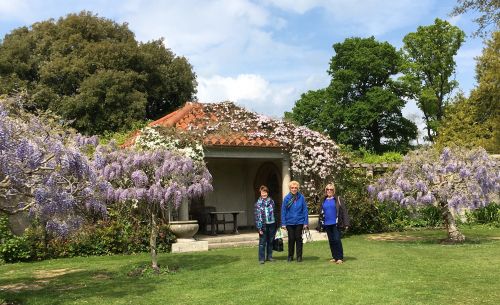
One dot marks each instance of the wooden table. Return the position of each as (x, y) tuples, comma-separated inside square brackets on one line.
[(214, 222)]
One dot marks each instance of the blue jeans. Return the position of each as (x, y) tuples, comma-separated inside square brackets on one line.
[(334, 236), (266, 241)]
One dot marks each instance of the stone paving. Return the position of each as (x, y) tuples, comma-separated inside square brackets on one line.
[(246, 238)]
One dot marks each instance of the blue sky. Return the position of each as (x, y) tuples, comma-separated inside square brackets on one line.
[(261, 54)]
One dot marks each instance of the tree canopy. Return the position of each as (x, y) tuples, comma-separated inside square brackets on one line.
[(429, 53), (93, 72), (362, 106), (460, 125), (475, 121), (489, 14)]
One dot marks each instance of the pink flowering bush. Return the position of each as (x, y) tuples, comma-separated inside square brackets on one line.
[(452, 179), (314, 157)]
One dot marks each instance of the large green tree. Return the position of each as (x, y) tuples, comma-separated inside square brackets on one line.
[(93, 72), (362, 106), (429, 66), (475, 121)]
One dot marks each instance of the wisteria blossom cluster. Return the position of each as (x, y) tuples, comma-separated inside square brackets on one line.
[(151, 138), (151, 178), (83, 141), (315, 158), (43, 171), (453, 179)]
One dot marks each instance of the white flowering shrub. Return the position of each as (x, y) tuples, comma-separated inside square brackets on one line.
[(185, 144)]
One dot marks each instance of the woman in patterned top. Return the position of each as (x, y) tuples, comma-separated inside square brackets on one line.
[(265, 223)]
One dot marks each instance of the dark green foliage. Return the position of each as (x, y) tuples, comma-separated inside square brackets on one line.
[(351, 185), (108, 238), (113, 90), (489, 214), (94, 73), (362, 106), (12, 248), (104, 238), (430, 216)]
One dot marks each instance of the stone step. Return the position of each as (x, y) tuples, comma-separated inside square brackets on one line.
[(228, 239), (245, 240)]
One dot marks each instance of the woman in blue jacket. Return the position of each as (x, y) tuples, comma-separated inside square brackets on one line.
[(294, 218)]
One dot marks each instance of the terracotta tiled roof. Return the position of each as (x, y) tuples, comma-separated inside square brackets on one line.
[(197, 116)]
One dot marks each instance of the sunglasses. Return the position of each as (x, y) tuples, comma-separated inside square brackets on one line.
[(329, 189)]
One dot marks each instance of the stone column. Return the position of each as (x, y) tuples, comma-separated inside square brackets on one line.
[(285, 173), (184, 210)]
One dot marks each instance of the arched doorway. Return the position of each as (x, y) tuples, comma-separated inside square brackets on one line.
[(269, 175)]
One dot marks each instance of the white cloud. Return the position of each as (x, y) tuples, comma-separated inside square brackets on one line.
[(189, 25), (13, 9), (256, 93), (362, 17), (244, 87), (297, 6)]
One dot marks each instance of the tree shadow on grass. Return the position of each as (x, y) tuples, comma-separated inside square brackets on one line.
[(72, 286), (402, 237), (197, 261), (78, 284)]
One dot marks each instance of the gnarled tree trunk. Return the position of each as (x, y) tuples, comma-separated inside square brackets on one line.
[(454, 235), (152, 243)]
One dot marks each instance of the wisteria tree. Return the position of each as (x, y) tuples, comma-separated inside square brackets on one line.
[(153, 181), (43, 171), (452, 179)]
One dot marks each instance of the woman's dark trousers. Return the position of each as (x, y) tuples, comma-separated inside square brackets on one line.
[(266, 241), (294, 238), (334, 236)]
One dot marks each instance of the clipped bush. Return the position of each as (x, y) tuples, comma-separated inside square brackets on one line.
[(103, 238), (489, 214), (12, 248)]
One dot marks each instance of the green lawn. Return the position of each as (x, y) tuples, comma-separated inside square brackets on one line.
[(413, 268)]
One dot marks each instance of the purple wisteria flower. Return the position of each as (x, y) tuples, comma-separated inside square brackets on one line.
[(44, 164)]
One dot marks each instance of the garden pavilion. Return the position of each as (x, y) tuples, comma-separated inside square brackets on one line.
[(238, 159)]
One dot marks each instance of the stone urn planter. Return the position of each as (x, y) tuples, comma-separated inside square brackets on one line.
[(184, 229), (313, 221)]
